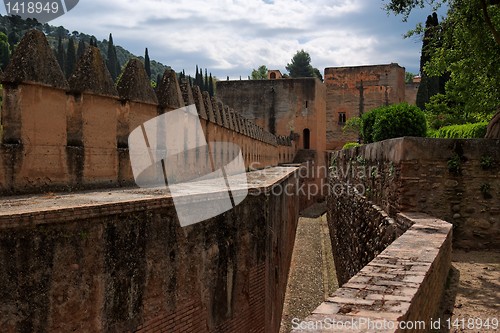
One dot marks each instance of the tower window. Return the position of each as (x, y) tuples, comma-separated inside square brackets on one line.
[(342, 118)]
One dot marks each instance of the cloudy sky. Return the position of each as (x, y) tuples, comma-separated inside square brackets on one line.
[(231, 37)]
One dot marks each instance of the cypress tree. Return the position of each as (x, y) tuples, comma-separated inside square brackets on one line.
[(60, 53), (196, 82), (4, 51), (200, 79), (205, 84), (70, 58), (112, 60), (429, 86), (210, 85), (147, 63), (81, 49)]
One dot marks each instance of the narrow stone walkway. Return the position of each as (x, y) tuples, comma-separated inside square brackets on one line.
[(312, 272)]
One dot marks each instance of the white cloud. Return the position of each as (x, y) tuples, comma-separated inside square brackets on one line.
[(231, 37)]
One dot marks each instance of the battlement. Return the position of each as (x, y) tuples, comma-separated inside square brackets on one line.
[(60, 134)]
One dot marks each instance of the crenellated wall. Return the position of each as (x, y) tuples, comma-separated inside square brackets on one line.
[(66, 135)]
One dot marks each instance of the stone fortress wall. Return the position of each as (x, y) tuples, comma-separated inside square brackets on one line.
[(59, 134)]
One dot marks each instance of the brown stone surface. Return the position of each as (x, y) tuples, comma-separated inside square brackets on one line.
[(409, 297), (169, 92), (34, 61), (119, 261), (199, 102), (134, 84), (91, 75), (312, 273), (187, 92), (55, 141), (415, 174), (356, 90)]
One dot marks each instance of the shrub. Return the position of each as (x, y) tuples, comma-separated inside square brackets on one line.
[(367, 123), (350, 145), (392, 122), (466, 131)]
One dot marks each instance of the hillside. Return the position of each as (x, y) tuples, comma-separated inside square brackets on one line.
[(15, 27)]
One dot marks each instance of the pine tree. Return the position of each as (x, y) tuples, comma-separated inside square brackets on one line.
[(147, 63), (210, 85), (60, 53), (70, 58), (93, 41), (81, 49)]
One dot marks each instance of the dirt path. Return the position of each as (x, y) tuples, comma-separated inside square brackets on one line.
[(312, 273)]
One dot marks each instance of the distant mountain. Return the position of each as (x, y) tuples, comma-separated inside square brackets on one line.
[(15, 28)]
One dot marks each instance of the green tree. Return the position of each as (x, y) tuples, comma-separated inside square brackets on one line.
[(468, 49), (300, 66), (113, 63), (430, 85), (70, 58), (259, 73), (205, 84), (60, 53), (4, 51), (211, 89), (81, 49), (147, 63), (409, 77)]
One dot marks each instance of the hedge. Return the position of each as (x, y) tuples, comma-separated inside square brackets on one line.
[(466, 131)]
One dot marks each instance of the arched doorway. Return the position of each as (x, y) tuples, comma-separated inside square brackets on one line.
[(273, 76), (307, 138)]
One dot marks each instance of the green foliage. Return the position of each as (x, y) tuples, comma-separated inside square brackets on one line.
[(455, 164), (465, 131), (430, 83), (350, 145), (300, 66), (485, 190), (367, 123), (147, 63), (409, 77), (487, 162), (468, 48), (4, 51), (70, 58), (259, 73), (392, 122), (352, 125), (112, 59), (60, 53)]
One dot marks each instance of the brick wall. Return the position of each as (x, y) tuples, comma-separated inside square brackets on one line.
[(356, 90), (454, 180), (397, 290), (118, 260)]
